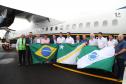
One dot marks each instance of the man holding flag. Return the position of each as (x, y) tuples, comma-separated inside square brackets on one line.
[(43, 53), (69, 39), (120, 56)]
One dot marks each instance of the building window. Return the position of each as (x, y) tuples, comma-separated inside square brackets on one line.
[(73, 26), (114, 22), (105, 23), (96, 24), (67, 26), (56, 28), (81, 25), (51, 28), (88, 24)]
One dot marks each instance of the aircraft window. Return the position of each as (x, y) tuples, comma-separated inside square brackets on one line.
[(56, 28), (81, 25), (61, 28), (88, 24), (42, 28), (46, 28), (114, 22), (73, 26), (51, 28), (67, 26), (96, 24), (40, 31), (105, 23)]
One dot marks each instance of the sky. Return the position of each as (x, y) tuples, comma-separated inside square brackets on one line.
[(65, 10)]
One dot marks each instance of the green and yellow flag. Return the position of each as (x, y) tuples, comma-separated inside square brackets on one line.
[(42, 52)]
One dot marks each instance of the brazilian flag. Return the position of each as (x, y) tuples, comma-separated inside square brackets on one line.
[(43, 52)]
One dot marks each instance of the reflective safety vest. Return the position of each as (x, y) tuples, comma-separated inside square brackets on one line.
[(21, 44)]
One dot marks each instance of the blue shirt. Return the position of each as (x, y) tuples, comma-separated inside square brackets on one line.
[(84, 41), (121, 45)]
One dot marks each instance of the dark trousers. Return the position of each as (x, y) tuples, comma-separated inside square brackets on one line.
[(120, 64), (29, 56), (21, 54)]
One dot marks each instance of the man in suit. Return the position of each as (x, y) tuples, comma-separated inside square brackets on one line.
[(53, 39), (29, 41), (120, 53)]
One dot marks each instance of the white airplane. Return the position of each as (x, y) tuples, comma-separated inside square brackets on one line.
[(109, 23)]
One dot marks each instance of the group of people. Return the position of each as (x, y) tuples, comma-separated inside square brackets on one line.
[(100, 41), (118, 43)]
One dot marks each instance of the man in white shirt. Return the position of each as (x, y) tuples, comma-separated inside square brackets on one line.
[(93, 40), (69, 39), (102, 42), (37, 39), (112, 42), (60, 39)]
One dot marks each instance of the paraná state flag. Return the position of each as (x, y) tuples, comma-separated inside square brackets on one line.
[(93, 57)]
